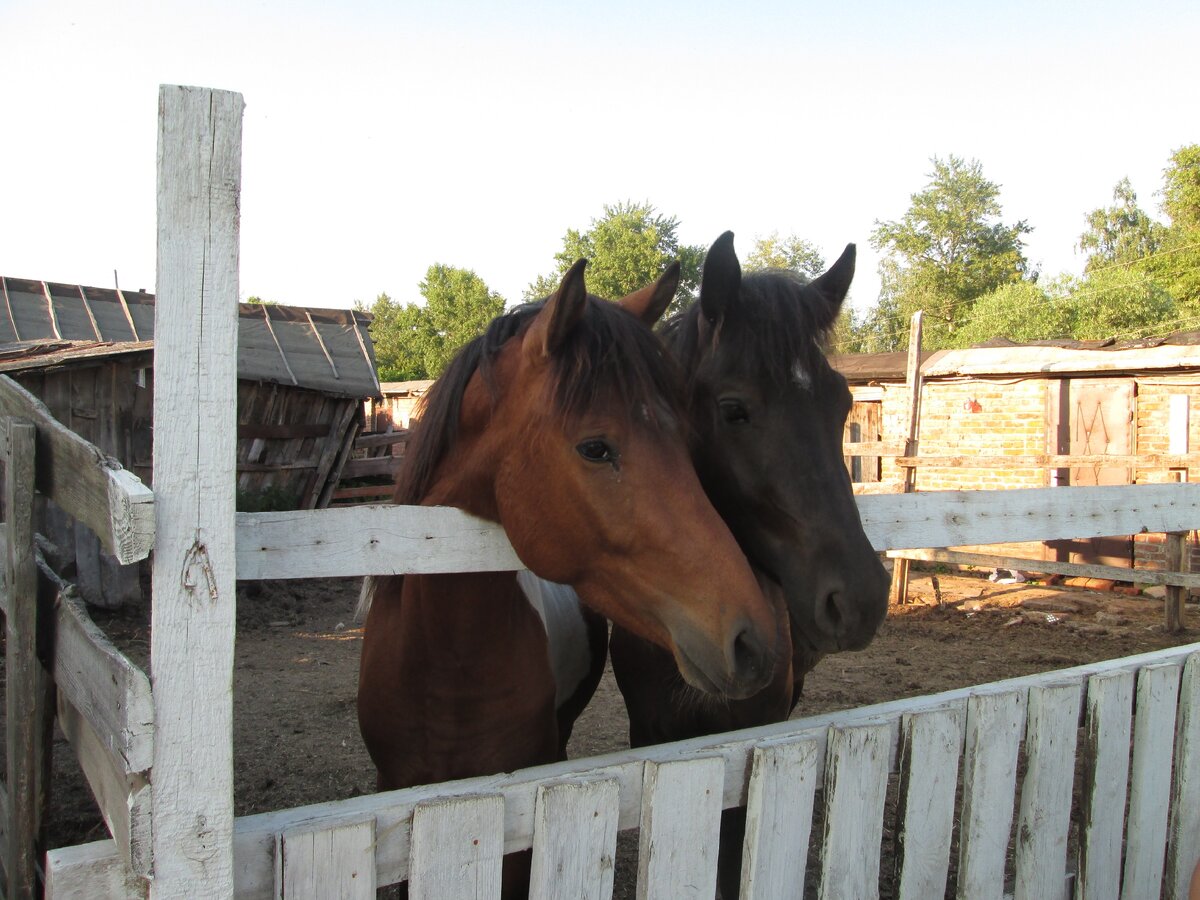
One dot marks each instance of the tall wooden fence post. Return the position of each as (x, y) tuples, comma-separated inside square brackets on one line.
[(195, 425), (899, 590), (26, 706), (1173, 606)]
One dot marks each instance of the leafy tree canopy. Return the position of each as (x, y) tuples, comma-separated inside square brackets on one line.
[(949, 249), (1121, 233), (417, 341), (626, 248), (1177, 263), (791, 252)]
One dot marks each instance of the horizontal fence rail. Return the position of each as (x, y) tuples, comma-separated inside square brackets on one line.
[(840, 761), (383, 540)]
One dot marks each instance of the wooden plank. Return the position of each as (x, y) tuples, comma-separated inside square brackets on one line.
[(1082, 570), (931, 749), (1052, 461), (1045, 815), (383, 492), (255, 835), (376, 465), (91, 872), (994, 730), (325, 863), (107, 689), (272, 432), (779, 809), (385, 439), (90, 486), (680, 828), (377, 540), (856, 774), (195, 430), (125, 799), (898, 592), (575, 840), (457, 849), (334, 478), (25, 688), (1173, 562), (1108, 729), (333, 451), (1183, 840), (1150, 780), (962, 518)]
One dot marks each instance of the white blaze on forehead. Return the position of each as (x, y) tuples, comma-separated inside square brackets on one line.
[(800, 376)]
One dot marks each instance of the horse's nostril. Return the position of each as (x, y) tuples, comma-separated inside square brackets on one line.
[(833, 610), (749, 655)]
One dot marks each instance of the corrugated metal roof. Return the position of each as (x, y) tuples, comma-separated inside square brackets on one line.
[(325, 350)]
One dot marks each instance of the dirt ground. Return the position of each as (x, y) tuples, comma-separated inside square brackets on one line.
[(296, 739)]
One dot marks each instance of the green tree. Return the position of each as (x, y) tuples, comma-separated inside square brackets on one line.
[(1177, 263), (791, 252), (1021, 311), (458, 307), (1121, 302), (949, 249), (1121, 234), (626, 248), (400, 336)]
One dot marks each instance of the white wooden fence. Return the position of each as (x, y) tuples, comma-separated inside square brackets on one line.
[(160, 761)]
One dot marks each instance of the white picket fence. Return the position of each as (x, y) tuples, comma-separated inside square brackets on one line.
[(1009, 752)]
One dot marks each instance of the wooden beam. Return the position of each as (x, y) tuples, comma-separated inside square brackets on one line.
[(25, 679), (899, 588), (1052, 461), (386, 439), (1174, 562), (291, 431), (320, 343), (87, 306), (376, 465), (85, 482), (1080, 570), (195, 430), (8, 308)]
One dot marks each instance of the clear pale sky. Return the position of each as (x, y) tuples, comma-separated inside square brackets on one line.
[(382, 137)]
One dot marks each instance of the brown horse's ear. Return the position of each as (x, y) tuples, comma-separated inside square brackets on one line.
[(650, 302), (835, 283), (721, 281), (561, 313)]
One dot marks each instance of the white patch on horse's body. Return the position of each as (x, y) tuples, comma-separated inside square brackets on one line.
[(800, 376), (559, 609)]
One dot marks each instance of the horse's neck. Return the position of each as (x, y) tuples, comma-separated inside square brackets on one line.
[(465, 618), (466, 479)]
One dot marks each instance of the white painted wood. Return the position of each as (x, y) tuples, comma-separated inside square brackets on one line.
[(107, 689), (329, 863), (457, 849), (380, 540), (1183, 841), (680, 828), (1045, 815), (83, 481), (369, 540), (125, 800), (1108, 731), (779, 810), (1150, 781), (985, 361), (931, 749), (995, 723), (255, 835), (575, 840), (1177, 424), (195, 428), (856, 774), (957, 518), (91, 872)]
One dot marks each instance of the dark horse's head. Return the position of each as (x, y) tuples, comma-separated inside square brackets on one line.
[(769, 411)]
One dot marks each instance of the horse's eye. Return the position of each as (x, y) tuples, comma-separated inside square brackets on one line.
[(734, 412), (597, 450)]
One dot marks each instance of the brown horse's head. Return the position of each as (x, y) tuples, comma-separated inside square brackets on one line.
[(564, 423), (769, 411)]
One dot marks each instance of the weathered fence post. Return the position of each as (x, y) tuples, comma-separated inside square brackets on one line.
[(195, 425), (26, 703), (899, 591), (1173, 605)]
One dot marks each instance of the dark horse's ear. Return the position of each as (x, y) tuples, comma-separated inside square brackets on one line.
[(650, 302), (721, 280), (834, 284), (561, 313)]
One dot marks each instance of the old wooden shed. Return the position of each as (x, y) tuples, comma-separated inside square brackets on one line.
[(303, 375)]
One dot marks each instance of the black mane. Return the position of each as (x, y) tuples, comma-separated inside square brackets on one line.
[(779, 321), (608, 355)]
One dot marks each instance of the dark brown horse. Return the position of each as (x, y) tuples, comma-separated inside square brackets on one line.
[(769, 411), (563, 423)]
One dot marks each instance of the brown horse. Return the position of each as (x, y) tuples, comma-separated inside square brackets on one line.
[(563, 423), (769, 411)]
